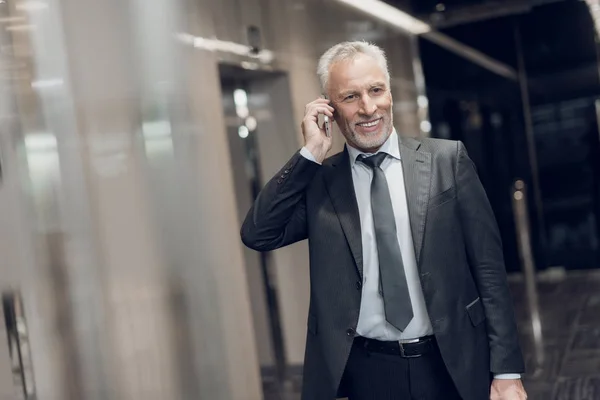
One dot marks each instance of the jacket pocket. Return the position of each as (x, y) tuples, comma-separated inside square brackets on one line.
[(443, 197), (312, 324), (476, 312)]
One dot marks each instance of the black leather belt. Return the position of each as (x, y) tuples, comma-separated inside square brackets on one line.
[(425, 345)]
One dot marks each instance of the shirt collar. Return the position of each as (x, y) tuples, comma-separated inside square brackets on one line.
[(390, 147)]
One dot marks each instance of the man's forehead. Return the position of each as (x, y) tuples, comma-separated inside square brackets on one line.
[(356, 71), (348, 82)]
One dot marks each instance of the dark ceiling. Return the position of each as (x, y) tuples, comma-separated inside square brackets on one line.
[(432, 6), (557, 38), (453, 11)]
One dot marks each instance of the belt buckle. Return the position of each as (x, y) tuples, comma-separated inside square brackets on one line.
[(404, 355)]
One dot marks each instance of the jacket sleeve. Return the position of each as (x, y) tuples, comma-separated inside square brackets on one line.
[(486, 260), (278, 216)]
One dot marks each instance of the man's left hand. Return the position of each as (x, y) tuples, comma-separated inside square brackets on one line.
[(507, 389)]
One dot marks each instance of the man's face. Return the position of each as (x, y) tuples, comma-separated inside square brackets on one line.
[(363, 102)]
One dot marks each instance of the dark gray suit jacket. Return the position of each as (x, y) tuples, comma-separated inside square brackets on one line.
[(458, 251)]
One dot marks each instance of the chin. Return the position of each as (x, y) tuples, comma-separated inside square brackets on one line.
[(374, 141)]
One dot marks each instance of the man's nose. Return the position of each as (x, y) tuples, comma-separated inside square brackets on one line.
[(367, 105)]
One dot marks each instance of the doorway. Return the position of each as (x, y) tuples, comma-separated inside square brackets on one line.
[(261, 135)]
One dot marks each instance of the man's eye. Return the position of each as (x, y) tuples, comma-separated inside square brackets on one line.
[(349, 97)]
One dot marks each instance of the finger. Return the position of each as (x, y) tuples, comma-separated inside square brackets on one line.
[(314, 117), (325, 111), (321, 102), (318, 101), (319, 109)]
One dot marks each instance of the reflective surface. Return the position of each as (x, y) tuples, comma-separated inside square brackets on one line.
[(570, 319)]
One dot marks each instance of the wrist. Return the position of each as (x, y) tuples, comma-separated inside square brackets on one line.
[(318, 151)]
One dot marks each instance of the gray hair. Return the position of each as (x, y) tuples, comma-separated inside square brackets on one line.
[(349, 51)]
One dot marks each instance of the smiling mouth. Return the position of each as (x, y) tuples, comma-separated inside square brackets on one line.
[(369, 124)]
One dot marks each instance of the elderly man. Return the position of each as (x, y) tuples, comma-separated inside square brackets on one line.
[(409, 298)]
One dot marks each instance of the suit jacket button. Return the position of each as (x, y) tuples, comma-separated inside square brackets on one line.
[(358, 285), (350, 332)]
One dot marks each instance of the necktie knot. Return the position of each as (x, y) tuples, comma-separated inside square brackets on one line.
[(373, 161)]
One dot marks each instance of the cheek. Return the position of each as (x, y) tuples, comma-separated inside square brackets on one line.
[(344, 116), (385, 103)]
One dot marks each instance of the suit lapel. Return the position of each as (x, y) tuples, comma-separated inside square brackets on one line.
[(416, 164), (341, 191)]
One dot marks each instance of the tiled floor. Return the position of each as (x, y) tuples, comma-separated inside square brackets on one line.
[(570, 319)]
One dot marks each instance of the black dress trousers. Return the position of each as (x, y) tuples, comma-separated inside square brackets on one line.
[(376, 376)]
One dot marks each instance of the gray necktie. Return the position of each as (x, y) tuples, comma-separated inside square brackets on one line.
[(398, 307)]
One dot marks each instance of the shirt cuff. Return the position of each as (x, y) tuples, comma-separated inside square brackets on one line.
[(507, 376), (308, 155)]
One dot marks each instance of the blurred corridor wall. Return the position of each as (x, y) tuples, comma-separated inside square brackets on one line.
[(119, 189)]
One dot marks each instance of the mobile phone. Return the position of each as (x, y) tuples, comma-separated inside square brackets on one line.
[(327, 126), (327, 123)]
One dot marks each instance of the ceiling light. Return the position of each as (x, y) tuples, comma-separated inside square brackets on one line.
[(389, 14), (264, 56), (249, 65), (243, 131), (242, 111), (426, 126), (240, 97), (251, 123)]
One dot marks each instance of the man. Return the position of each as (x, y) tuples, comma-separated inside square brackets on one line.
[(409, 298)]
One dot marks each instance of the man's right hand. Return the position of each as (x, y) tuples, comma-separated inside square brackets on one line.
[(315, 137)]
